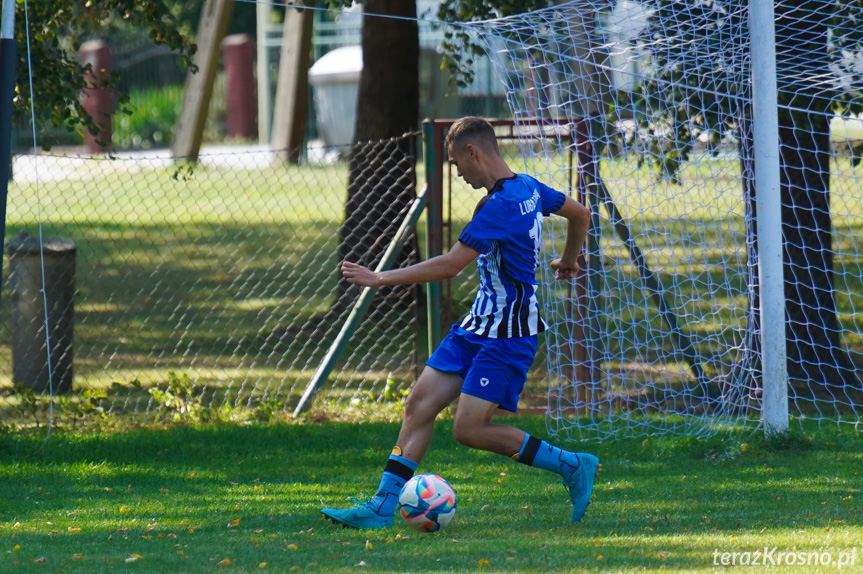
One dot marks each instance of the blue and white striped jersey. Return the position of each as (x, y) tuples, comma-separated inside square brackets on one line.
[(506, 229)]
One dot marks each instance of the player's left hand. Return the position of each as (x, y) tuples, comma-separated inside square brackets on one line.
[(359, 275), (564, 269)]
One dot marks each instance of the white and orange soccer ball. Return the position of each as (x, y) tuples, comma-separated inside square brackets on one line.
[(427, 503)]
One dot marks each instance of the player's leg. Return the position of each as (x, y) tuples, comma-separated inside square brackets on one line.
[(473, 427), (433, 391), (496, 378)]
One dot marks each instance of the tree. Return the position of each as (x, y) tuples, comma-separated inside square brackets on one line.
[(57, 30), (381, 186)]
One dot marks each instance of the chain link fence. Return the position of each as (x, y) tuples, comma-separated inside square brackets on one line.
[(210, 290)]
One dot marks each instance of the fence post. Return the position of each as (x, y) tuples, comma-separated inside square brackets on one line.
[(97, 99), (774, 406), (238, 54), (434, 229)]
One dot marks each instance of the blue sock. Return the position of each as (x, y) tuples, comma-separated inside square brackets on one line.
[(396, 473), (538, 453)]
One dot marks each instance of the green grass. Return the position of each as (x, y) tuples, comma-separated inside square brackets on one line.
[(187, 499)]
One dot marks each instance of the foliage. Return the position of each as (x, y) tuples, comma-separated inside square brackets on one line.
[(153, 120), (179, 399), (56, 31), (459, 49), (91, 404)]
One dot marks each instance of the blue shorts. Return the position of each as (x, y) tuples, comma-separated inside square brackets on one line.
[(492, 369)]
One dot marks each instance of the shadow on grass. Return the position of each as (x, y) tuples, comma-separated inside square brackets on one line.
[(228, 490)]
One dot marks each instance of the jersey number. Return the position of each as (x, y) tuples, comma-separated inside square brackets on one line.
[(536, 235)]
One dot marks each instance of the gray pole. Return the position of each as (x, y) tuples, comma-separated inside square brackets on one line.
[(774, 408), (8, 55)]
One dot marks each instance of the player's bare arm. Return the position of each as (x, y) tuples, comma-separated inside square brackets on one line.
[(437, 268), (578, 218)]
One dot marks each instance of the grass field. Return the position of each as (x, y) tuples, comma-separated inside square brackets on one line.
[(229, 498)]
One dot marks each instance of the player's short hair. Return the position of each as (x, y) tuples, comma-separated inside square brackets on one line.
[(472, 130)]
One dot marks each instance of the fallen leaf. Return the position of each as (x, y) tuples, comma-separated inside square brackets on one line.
[(362, 564), (73, 529), (600, 557), (41, 560), (16, 548), (225, 562), (483, 562), (76, 557), (262, 565), (369, 545), (291, 547)]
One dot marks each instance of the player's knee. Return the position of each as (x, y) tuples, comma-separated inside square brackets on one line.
[(467, 433)]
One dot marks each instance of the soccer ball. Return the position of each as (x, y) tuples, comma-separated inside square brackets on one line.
[(427, 503)]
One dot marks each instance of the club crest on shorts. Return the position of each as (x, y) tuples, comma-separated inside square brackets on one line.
[(483, 382)]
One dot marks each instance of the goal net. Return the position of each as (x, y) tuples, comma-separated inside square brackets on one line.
[(661, 330)]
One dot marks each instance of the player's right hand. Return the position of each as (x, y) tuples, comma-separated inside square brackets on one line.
[(359, 275), (564, 270)]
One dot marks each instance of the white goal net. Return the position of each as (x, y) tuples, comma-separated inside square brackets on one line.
[(661, 332)]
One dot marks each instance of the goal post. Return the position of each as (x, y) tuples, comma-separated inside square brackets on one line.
[(774, 406)]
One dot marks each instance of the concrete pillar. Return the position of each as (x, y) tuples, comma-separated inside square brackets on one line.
[(238, 55), (33, 309)]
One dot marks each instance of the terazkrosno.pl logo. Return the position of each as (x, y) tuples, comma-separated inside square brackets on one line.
[(773, 556)]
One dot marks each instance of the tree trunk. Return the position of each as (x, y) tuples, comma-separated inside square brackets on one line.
[(818, 366), (382, 173)]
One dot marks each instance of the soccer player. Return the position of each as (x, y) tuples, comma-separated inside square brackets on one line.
[(483, 361)]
